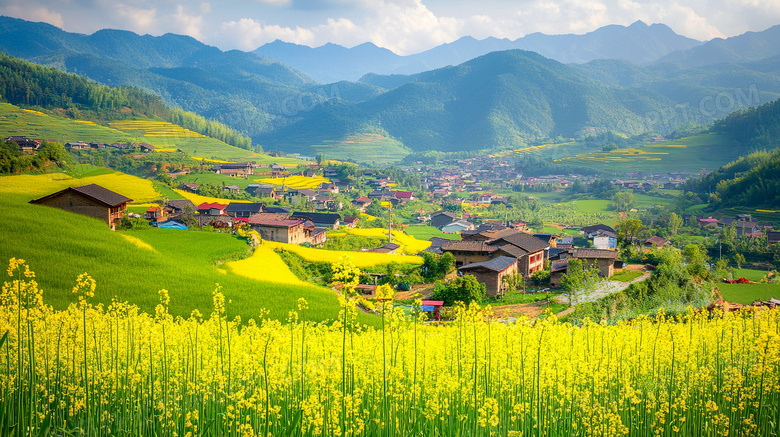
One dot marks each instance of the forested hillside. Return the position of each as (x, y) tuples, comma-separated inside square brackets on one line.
[(24, 83), (758, 128), (754, 179)]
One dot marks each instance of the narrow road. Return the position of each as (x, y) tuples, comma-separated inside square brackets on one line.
[(604, 289)]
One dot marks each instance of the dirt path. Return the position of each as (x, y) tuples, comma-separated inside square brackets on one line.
[(515, 311)]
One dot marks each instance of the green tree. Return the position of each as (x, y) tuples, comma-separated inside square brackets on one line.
[(627, 230), (675, 223), (579, 281), (739, 259), (623, 201), (464, 289)]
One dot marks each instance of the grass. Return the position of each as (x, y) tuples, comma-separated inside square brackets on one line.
[(626, 275), (750, 274), (749, 293), (214, 179), (427, 232), (60, 245), (592, 206)]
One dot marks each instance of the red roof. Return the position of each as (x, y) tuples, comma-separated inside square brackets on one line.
[(215, 205), (242, 219), (403, 194)]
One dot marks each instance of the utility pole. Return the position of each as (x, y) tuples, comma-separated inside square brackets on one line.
[(390, 223)]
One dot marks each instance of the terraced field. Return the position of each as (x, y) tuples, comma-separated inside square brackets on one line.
[(691, 154)]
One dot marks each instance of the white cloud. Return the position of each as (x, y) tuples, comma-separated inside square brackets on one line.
[(138, 19), (248, 34), (188, 24), (34, 13)]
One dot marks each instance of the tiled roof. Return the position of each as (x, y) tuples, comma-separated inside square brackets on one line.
[(241, 207), (595, 253), (207, 205), (527, 242), (266, 216), (317, 217), (559, 265), (94, 192), (275, 223), (498, 264), (468, 246), (181, 204), (599, 227)]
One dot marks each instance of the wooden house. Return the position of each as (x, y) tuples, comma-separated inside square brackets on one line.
[(91, 200), (491, 273)]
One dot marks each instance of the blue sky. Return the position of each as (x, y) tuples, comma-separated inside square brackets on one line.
[(404, 26)]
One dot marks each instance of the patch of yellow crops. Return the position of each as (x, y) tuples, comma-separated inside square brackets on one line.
[(84, 121), (165, 149), (765, 210), (34, 112), (361, 259), (197, 199), (367, 217), (409, 244), (138, 189), (296, 182), (385, 203), (151, 128), (138, 242), (265, 265), (216, 161), (115, 368), (628, 154)]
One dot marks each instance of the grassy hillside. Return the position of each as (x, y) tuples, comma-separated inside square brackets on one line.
[(35, 124), (134, 265)]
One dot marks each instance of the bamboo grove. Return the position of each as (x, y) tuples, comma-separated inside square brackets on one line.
[(112, 370)]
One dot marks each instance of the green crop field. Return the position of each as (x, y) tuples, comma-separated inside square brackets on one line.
[(369, 148), (750, 274), (33, 124), (644, 201), (215, 179), (133, 265), (427, 232), (591, 206), (749, 293), (690, 154)]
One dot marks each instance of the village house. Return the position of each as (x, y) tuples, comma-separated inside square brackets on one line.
[(404, 196), (266, 191), (593, 230), (244, 210), (772, 237), (601, 258), (457, 226), (491, 273), (362, 203), (91, 200), (290, 231), (25, 144), (350, 221), (212, 209), (180, 206), (321, 219), (440, 219), (240, 169), (655, 242), (605, 240)]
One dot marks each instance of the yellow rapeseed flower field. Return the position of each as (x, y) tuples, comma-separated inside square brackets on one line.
[(138, 242), (409, 244), (296, 182), (138, 189), (197, 199), (112, 370), (265, 265)]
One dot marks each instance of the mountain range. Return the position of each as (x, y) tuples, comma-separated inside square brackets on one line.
[(500, 99), (638, 43)]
